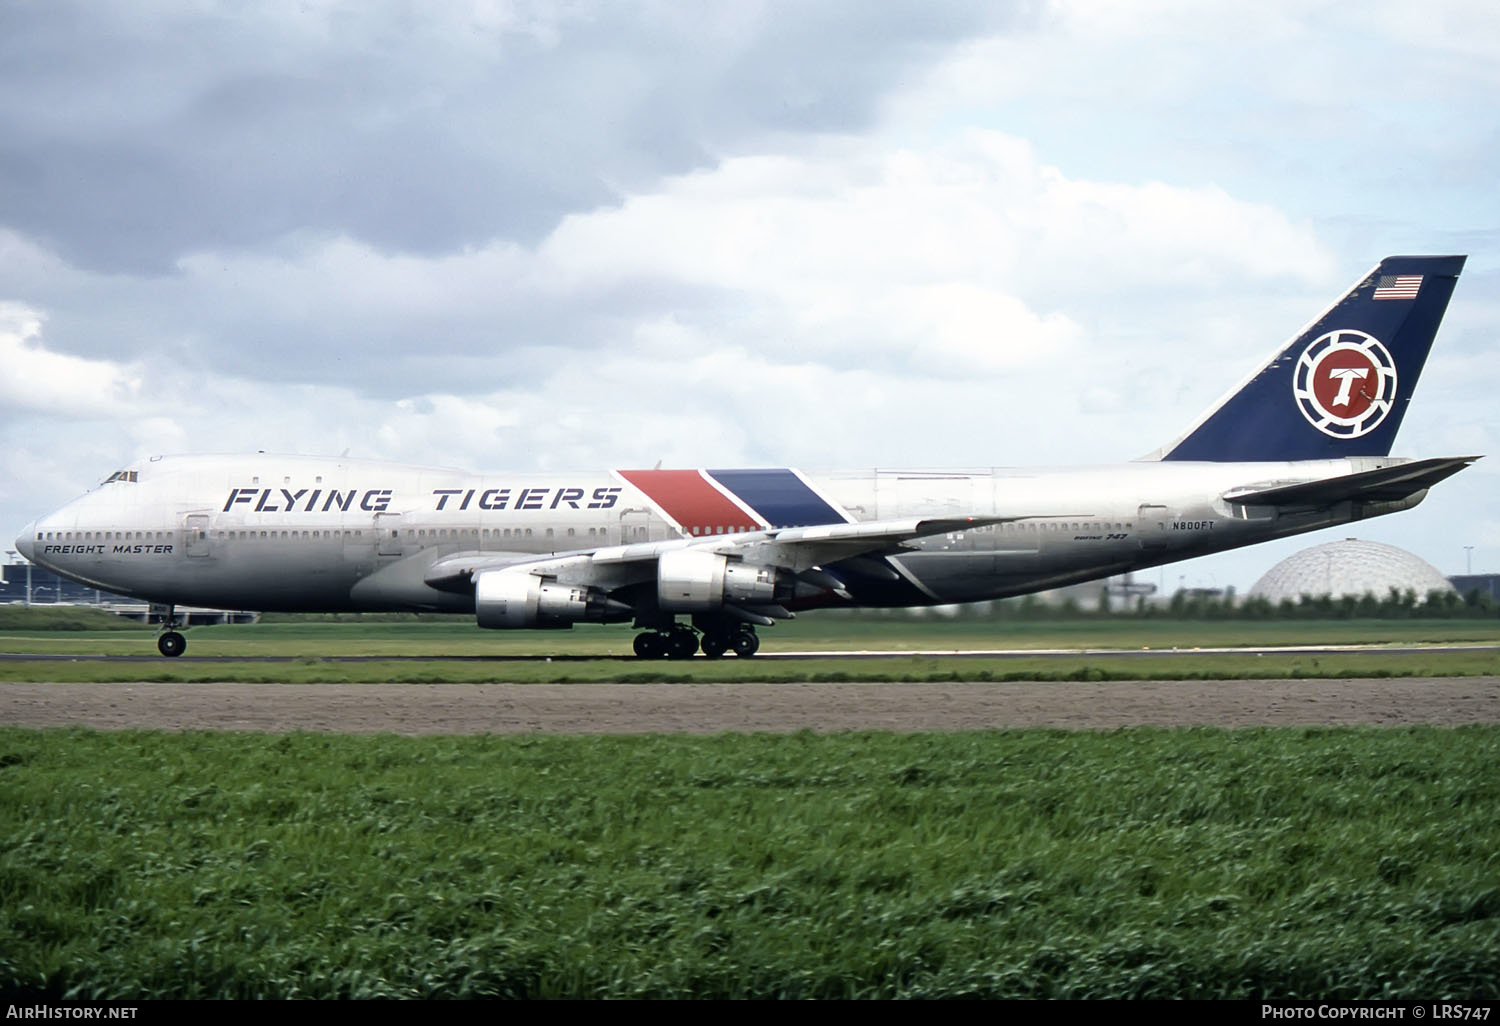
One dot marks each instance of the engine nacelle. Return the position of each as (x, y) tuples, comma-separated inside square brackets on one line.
[(511, 600), (699, 581)]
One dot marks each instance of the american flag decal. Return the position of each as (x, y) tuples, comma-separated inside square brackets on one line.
[(1398, 286)]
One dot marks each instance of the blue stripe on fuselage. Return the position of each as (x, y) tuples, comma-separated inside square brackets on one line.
[(780, 497)]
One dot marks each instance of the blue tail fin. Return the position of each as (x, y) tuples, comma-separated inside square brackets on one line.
[(1340, 388)]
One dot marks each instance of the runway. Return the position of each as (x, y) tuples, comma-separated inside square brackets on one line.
[(427, 709), (872, 654)]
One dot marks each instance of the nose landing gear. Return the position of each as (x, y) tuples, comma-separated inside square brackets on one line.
[(169, 642)]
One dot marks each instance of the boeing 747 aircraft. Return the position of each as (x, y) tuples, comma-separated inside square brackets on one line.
[(1302, 444)]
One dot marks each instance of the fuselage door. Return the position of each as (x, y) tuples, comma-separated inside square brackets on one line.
[(388, 534), (1152, 524), (635, 525), (195, 527), (957, 493)]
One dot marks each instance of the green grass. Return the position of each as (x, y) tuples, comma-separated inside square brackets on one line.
[(453, 650), (1298, 863), (61, 618), (456, 651), (309, 670), (457, 636)]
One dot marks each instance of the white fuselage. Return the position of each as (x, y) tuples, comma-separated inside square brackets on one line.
[(274, 532)]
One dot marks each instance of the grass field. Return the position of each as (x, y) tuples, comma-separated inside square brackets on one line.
[(1327, 864), (1295, 863), (456, 651)]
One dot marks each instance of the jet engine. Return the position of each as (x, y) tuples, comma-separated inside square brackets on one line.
[(511, 600), (699, 581)]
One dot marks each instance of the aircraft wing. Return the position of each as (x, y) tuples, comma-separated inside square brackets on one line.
[(1388, 484), (793, 549)]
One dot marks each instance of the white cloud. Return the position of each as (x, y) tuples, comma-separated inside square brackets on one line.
[(37, 380), (933, 260)]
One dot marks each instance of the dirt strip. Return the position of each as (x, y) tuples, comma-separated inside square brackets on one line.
[(713, 708)]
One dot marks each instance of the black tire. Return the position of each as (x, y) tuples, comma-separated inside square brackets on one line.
[(650, 645), (714, 645), (171, 644), (681, 645), (746, 644)]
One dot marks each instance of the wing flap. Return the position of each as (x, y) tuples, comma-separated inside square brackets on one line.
[(792, 548)]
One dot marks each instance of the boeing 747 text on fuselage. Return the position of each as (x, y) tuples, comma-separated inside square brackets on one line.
[(698, 559)]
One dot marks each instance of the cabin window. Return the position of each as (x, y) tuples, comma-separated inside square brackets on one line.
[(570, 532)]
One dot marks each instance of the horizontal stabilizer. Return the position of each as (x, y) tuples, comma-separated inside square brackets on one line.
[(1388, 484)]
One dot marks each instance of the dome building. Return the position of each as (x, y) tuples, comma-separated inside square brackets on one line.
[(1349, 567)]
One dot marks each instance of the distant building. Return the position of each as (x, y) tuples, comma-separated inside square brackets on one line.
[(26, 584), (22, 582), (1484, 584), (1349, 567)]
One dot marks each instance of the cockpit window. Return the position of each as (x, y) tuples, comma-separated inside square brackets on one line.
[(121, 475)]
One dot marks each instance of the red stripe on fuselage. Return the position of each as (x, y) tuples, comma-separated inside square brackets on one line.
[(697, 506)]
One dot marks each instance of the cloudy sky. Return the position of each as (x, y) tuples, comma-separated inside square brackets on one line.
[(517, 235)]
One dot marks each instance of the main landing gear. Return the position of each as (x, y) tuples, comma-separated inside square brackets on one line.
[(681, 642), (169, 642)]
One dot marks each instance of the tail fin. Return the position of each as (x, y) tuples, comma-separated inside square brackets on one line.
[(1339, 388)]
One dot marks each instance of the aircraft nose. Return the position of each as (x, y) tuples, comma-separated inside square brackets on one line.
[(25, 541)]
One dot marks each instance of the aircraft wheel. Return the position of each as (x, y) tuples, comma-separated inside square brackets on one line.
[(650, 645), (714, 645), (746, 644), (681, 645), (171, 644)]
